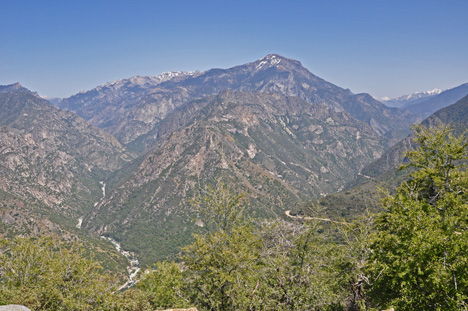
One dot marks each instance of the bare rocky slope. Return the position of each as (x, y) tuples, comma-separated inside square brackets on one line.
[(53, 156)]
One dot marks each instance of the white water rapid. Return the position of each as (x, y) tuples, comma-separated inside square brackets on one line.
[(134, 265)]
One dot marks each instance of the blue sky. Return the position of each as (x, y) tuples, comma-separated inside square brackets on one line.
[(385, 48)]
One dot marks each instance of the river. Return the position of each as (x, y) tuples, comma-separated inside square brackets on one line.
[(134, 265)]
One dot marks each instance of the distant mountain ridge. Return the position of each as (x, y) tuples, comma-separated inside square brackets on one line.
[(132, 111), (455, 115), (423, 104), (361, 194), (15, 87), (442, 100), (410, 99)]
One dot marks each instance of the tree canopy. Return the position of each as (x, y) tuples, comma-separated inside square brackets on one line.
[(46, 274), (419, 256)]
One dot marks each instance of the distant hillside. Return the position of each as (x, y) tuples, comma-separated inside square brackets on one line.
[(361, 193), (27, 217), (455, 115), (52, 164)]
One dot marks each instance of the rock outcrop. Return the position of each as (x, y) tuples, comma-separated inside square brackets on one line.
[(14, 308)]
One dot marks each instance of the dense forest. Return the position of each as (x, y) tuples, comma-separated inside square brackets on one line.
[(413, 255)]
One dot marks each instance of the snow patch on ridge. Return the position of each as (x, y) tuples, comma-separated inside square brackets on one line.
[(268, 61), (412, 96), (145, 81)]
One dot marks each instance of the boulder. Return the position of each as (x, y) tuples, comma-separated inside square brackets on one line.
[(14, 308)]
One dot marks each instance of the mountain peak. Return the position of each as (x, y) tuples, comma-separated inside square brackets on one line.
[(15, 87), (272, 60)]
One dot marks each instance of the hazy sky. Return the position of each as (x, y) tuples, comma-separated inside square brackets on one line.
[(385, 48)]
